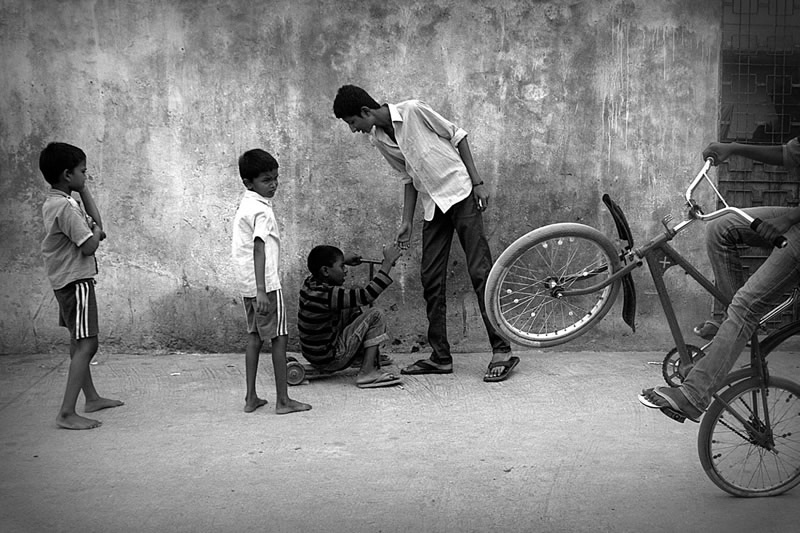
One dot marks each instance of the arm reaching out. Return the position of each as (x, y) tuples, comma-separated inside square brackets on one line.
[(391, 254), (771, 155)]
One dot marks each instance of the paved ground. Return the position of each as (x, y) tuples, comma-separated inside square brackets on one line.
[(562, 446)]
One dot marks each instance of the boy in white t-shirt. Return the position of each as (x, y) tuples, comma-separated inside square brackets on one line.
[(255, 249)]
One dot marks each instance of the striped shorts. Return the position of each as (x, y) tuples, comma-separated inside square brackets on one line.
[(270, 324), (78, 309)]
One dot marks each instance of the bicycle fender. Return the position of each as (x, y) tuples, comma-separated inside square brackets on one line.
[(629, 301), (623, 229)]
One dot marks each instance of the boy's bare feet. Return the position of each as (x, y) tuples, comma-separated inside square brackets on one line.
[(252, 405), (101, 403), (291, 406), (76, 421)]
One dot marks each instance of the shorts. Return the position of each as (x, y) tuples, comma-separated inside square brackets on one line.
[(366, 330), (77, 306), (271, 324)]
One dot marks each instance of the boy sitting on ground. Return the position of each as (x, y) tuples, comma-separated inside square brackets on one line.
[(332, 326)]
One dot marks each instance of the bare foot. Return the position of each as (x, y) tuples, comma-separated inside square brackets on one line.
[(252, 405), (101, 403), (291, 406), (76, 421)]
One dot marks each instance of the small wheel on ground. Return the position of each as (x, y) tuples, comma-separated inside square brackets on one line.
[(670, 368), (295, 373)]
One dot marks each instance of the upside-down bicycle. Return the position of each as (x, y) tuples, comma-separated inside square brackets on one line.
[(556, 282)]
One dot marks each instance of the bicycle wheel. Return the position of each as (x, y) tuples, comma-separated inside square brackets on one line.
[(524, 290), (760, 461)]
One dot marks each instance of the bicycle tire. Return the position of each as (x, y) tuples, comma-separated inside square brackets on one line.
[(729, 455), (522, 289)]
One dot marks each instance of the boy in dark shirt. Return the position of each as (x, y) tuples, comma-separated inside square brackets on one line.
[(74, 232), (333, 328)]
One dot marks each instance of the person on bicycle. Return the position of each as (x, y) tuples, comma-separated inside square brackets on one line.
[(435, 161), (751, 299)]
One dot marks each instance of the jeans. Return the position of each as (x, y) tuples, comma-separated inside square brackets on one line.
[(752, 299), (437, 237), (366, 330)]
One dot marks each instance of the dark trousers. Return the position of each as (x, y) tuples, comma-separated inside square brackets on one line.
[(437, 237)]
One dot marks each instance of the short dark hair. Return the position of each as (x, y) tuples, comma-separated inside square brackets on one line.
[(322, 255), (254, 162), (349, 101), (57, 157)]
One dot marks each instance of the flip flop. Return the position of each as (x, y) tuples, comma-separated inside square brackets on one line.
[(384, 380), (656, 399), (424, 366), (508, 366)]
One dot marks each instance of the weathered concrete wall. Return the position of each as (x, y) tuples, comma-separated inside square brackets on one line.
[(563, 100)]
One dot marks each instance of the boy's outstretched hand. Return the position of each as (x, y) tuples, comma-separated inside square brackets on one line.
[(391, 254)]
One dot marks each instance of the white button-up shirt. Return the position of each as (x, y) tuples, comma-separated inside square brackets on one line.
[(426, 154), (255, 218)]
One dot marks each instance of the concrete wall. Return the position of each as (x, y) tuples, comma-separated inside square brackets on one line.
[(564, 100)]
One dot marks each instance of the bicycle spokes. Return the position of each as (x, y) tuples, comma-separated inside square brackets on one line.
[(754, 444)]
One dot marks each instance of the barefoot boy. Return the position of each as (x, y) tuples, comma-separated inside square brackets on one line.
[(333, 329), (256, 259), (73, 234)]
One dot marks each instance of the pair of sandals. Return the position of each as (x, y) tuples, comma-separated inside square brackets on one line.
[(426, 366)]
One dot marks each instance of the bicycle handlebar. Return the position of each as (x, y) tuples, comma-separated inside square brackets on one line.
[(696, 212)]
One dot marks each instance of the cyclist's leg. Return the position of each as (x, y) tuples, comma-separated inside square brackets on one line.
[(762, 291), (723, 235)]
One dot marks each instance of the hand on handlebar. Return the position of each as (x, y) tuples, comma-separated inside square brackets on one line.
[(718, 152), (771, 230)]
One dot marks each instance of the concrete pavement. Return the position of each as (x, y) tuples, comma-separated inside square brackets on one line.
[(562, 446)]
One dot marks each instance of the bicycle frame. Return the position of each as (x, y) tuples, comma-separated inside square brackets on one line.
[(660, 256)]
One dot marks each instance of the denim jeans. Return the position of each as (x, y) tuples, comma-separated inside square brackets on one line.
[(367, 329), (765, 288), (437, 236)]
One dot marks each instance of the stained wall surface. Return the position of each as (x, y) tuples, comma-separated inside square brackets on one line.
[(563, 101)]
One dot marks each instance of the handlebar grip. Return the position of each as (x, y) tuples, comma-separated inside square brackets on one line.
[(779, 242)]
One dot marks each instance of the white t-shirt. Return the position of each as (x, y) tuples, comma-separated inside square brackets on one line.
[(253, 219)]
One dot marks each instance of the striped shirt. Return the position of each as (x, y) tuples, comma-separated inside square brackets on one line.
[(326, 309), (426, 154)]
